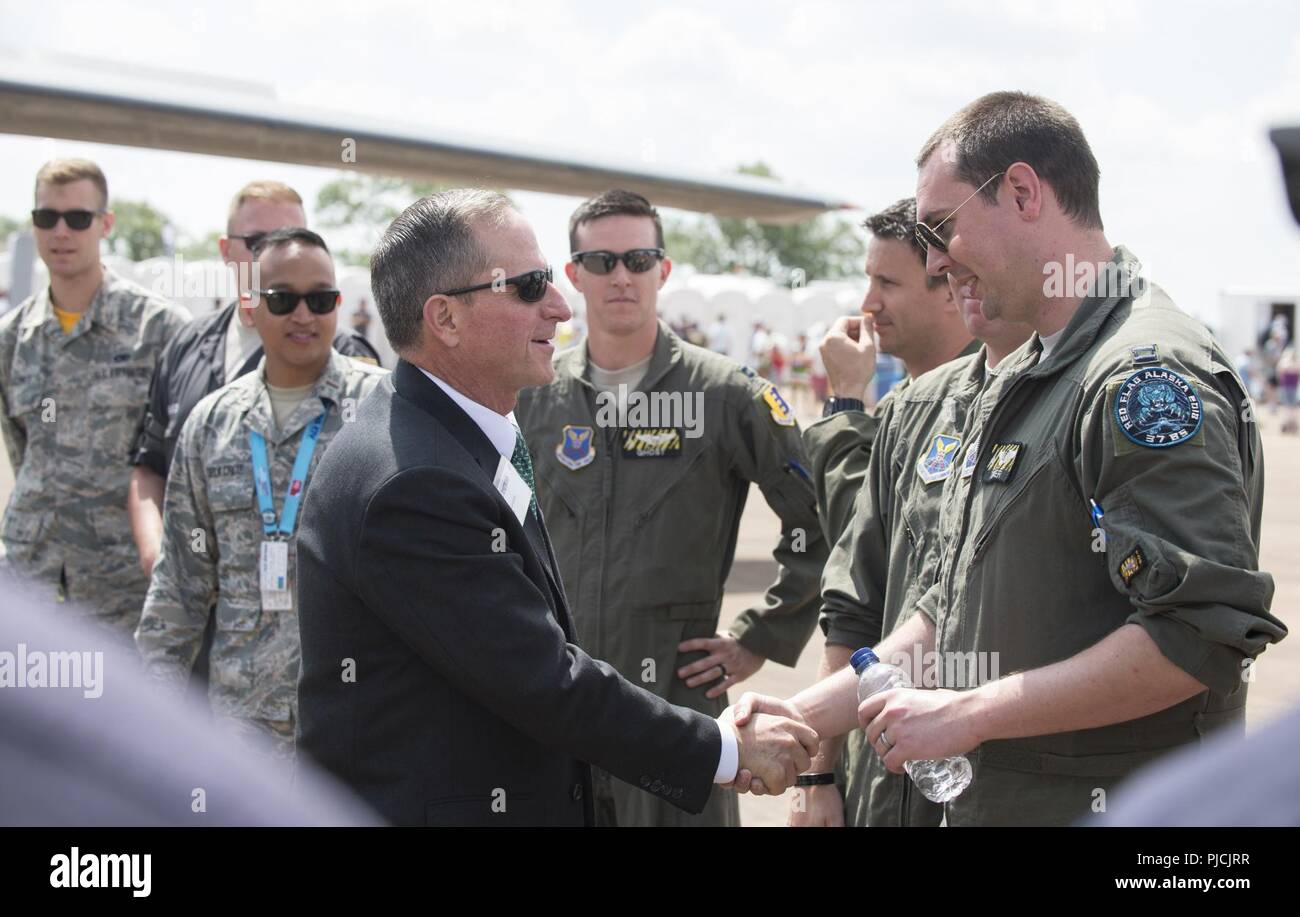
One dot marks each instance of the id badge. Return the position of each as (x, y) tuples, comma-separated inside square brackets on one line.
[(277, 594)]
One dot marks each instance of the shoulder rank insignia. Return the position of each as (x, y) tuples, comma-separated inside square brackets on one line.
[(1157, 408), (938, 460), (781, 411), (1002, 462), (652, 442), (1147, 353), (577, 447), (972, 456)]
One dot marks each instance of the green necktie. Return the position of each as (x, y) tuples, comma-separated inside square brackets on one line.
[(524, 465)]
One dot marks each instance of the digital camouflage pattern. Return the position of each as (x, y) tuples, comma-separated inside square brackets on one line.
[(71, 404), (210, 553)]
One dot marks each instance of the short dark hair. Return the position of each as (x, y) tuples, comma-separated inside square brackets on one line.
[(898, 222), (299, 234), (612, 203), (1002, 128), (434, 245)]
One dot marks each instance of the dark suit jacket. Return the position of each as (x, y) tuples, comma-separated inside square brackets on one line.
[(470, 704)]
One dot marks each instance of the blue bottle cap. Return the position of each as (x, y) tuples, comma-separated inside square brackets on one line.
[(863, 658)]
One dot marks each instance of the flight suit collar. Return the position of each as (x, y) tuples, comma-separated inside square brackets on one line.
[(667, 353), (328, 390), (1085, 325)]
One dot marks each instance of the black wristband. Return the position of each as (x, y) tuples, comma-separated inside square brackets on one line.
[(836, 404), (814, 779)]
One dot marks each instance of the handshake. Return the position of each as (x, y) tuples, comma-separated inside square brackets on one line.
[(775, 745)]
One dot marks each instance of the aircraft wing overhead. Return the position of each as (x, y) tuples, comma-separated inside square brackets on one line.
[(159, 112)]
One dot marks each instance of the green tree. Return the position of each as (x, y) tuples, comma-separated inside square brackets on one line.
[(365, 204), (204, 249), (138, 230), (827, 247)]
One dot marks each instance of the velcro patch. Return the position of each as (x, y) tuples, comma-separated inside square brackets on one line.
[(1003, 458), (1157, 408), (1129, 566), (781, 411), (652, 442)]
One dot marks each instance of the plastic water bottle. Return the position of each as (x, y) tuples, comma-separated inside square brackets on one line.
[(938, 781)]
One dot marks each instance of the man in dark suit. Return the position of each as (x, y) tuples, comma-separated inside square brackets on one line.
[(439, 678)]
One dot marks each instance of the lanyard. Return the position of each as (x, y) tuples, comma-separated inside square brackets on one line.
[(297, 480)]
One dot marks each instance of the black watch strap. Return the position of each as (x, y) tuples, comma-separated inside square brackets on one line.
[(814, 779), (835, 404)]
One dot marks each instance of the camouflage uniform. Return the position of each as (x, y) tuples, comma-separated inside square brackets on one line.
[(71, 403), (212, 530)]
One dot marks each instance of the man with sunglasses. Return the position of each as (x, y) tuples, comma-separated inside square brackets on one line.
[(207, 354), (1106, 544), (241, 468), (75, 363), (645, 513)]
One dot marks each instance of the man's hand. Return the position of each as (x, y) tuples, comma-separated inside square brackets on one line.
[(920, 724), (726, 658), (849, 354), (774, 749), (748, 706), (819, 806)]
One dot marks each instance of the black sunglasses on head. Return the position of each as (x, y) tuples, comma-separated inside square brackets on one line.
[(45, 218), (282, 302), (251, 241), (638, 260), (531, 286)]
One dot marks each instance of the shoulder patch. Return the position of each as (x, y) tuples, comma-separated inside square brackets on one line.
[(936, 464), (780, 409), (1157, 408), (971, 459)]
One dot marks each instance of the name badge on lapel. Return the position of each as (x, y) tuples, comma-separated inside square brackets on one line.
[(513, 488)]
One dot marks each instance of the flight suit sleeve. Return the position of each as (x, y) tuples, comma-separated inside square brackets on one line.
[(1179, 541), (769, 452), (854, 579), (184, 583), (839, 448), (150, 448)]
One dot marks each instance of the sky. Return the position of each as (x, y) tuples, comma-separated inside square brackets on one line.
[(1176, 99)]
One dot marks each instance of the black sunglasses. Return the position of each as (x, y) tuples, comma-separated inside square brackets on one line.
[(45, 218), (925, 236), (531, 286), (251, 241), (638, 260), (282, 302)]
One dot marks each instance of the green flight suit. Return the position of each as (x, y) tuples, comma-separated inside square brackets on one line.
[(644, 521), (1138, 409)]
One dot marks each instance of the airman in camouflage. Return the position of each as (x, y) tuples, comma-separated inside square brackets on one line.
[(75, 364), (213, 530)]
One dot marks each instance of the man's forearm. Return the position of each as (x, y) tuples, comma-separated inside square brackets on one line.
[(834, 659), (144, 499), (831, 705), (1124, 677)]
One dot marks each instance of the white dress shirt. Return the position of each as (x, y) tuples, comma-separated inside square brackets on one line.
[(500, 430)]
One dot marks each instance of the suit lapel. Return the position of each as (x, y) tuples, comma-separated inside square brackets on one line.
[(412, 384)]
